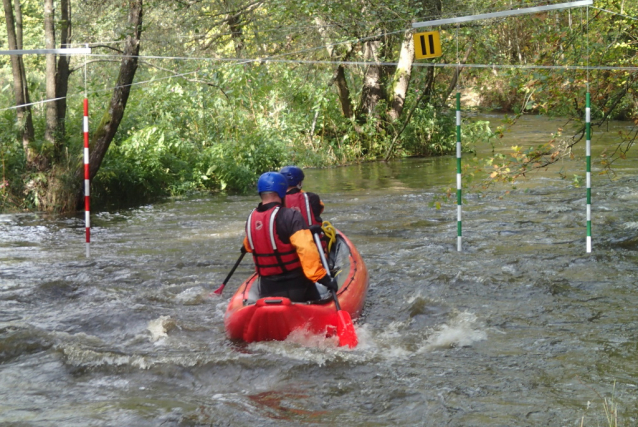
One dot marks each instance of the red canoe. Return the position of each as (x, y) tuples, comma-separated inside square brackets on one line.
[(250, 318)]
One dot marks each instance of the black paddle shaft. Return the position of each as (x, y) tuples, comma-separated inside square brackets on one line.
[(325, 266), (334, 297), (234, 268)]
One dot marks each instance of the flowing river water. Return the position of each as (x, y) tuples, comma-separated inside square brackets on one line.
[(521, 328)]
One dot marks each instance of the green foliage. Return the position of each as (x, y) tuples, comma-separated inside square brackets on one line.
[(183, 145), (178, 137), (223, 123), (12, 163), (567, 39), (430, 132)]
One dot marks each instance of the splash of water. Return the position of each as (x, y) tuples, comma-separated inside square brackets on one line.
[(159, 327), (461, 331)]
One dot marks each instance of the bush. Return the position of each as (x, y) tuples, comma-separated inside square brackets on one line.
[(157, 161), (12, 164), (429, 132)]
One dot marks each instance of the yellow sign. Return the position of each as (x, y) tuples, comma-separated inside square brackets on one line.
[(427, 45)]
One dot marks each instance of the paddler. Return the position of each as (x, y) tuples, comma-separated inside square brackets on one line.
[(284, 252), (309, 204)]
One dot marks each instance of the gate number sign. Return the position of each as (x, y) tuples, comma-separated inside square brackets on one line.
[(427, 45)]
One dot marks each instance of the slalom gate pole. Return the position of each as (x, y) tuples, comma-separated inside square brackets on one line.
[(588, 143), (459, 233), (87, 185), (87, 168), (588, 156)]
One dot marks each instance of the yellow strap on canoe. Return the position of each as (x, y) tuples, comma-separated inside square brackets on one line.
[(330, 232)]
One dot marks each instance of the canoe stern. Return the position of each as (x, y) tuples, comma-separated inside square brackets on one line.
[(274, 318)]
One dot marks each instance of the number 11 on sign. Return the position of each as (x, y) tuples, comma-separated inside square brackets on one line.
[(427, 45)]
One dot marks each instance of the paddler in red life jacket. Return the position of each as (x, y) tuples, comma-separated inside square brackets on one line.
[(284, 252), (309, 204)]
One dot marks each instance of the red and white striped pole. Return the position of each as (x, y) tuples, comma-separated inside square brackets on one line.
[(87, 210), (87, 176)]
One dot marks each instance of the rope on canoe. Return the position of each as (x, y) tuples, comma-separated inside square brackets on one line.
[(330, 232)]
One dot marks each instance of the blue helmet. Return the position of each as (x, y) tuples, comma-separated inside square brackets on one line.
[(272, 181), (293, 174)]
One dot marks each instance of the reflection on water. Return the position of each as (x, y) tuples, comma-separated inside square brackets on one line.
[(521, 328), (392, 176)]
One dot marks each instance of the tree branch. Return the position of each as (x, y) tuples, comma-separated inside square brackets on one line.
[(108, 47), (187, 79)]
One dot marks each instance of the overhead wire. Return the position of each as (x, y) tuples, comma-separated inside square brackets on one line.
[(614, 13), (471, 11), (359, 63), (277, 59), (237, 60), (305, 27), (240, 60), (99, 90), (362, 63), (382, 34)]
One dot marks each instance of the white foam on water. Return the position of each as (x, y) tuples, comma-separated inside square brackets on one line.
[(294, 351), (628, 194), (220, 305), (304, 345), (110, 382), (159, 327), (78, 356), (235, 229), (558, 208), (389, 343), (194, 295), (365, 339), (306, 338), (631, 225), (462, 331)]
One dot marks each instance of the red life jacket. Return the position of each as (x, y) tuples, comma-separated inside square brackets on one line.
[(271, 255), (301, 202)]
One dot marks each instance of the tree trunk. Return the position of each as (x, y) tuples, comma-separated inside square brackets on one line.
[(20, 45), (322, 27), (340, 75), (402, 76), (457, 73), (344, 92), (113, 116), (50, 134), (20, 88), (237, 33), (18, 22), (428, 87), (372, 91), (62, 77)]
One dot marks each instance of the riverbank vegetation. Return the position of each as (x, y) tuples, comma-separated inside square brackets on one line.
[(187, 95)]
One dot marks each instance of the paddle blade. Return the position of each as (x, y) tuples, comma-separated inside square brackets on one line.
[(220, 289), (345, 330)]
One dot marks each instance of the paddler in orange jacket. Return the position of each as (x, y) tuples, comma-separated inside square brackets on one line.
[(309, 204), (284, 252)]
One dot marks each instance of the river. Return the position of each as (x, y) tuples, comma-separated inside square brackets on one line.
[(521, 328)]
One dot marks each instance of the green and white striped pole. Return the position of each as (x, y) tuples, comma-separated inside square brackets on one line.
[(588, 156), (458, 172)]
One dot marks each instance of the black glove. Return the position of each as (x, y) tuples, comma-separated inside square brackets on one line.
[(330, 283), (315, 229), (243, 249)]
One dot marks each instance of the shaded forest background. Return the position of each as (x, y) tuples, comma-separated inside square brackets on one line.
[(198, 95)]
